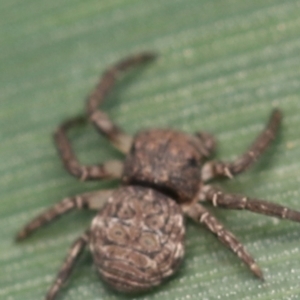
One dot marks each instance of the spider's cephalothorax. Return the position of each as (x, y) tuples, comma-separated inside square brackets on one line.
[(166, 160), (137, 236)]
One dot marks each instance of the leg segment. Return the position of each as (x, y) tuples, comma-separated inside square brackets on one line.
[(199, 214), (116, 136), (100, 120), (93, 200), (110, 169), (229, 169), (233, 201), (68, 265), (110, 76), (206, 143)]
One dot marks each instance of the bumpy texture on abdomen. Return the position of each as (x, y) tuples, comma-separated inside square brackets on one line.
[(137, 239)]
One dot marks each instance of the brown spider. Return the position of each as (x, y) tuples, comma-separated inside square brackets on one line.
[(137, 237)]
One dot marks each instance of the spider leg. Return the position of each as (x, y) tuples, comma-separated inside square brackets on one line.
[(92, 200), (234, 201), (215, 169), (115, 134), (206, 143), (201, 215), (64, 273), (110, 169), (100, 120)]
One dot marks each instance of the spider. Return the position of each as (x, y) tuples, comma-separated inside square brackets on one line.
[(137, 236)]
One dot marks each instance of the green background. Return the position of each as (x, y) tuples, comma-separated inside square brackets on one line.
[(223, 65)]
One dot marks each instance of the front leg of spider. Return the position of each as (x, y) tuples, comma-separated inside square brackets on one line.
[(214, 169)]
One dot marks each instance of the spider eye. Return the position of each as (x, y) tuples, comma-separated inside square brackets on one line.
[(132, 149), (192, 162)]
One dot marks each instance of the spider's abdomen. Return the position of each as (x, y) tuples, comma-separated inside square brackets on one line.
[(166, 160), (137, 239)]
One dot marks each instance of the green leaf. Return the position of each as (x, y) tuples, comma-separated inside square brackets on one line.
[(223, 66)]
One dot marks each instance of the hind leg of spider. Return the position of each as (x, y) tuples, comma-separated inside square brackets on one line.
[(201, 215), (107, 170), (64, 273), (233, 201), (101, 121), (215, 169), (92, 200)]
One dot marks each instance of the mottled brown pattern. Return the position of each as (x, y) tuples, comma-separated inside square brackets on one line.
[(137, 236), (167, 159), (137, 239)]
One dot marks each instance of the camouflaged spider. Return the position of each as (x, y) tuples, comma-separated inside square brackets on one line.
[(137, 237)]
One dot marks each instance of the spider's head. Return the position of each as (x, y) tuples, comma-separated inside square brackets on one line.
[(166, 160)]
